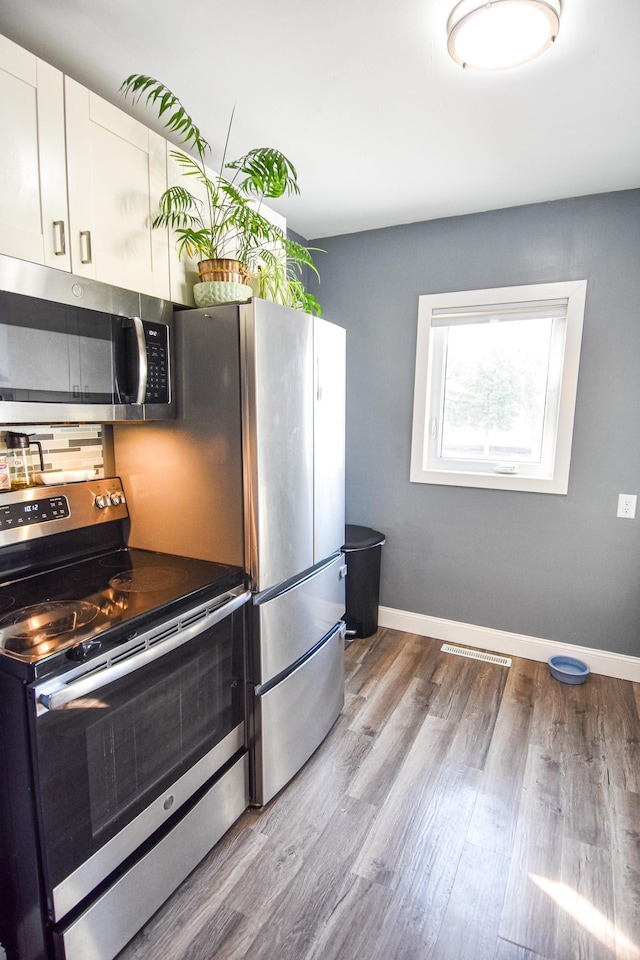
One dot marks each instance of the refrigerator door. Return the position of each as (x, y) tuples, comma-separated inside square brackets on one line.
[(329, 437), (291, 623), (277, 350), (293, 717)]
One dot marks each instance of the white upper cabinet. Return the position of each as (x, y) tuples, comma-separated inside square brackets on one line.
[(33, 199), (80, 179), (116, 171)]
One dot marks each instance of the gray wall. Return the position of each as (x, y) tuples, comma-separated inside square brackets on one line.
[(558, 567)]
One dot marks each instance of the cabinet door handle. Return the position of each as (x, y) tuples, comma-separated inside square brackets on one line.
[(85, 235), (59, 247)]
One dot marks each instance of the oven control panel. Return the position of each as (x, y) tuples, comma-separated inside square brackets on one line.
[(16, 515), (41, 512)]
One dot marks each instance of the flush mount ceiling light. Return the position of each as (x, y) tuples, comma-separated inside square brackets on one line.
[(500, 34)]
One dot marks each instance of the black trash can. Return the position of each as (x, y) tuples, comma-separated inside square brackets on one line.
[(363, 552)]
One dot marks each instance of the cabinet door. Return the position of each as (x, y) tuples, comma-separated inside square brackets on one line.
[(116, 171), (33, 199), (329, 438), (183, 272)]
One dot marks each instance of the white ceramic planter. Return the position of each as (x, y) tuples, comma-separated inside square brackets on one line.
[(210, 292)]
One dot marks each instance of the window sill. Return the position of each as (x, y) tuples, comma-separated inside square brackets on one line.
[(493, 481)]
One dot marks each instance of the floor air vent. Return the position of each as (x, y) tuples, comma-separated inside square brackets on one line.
[(476, 655)]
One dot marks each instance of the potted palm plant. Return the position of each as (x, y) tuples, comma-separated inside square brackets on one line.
[(237, 247)]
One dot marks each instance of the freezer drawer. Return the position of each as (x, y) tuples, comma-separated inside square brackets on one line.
[(292, 718), (292, 622)]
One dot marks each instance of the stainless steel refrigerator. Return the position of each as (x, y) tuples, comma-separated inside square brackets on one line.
[(255, 461)]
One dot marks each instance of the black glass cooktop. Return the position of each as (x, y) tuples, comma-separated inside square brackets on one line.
[(42, 615)]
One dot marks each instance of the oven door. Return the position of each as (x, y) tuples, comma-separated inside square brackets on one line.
[(121, 748)]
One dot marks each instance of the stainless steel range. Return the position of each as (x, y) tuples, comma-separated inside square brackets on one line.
[(122, 720)]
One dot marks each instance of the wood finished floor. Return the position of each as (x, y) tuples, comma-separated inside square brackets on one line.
[(457, 811)]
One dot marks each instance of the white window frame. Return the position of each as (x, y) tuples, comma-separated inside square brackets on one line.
[(429, 374)]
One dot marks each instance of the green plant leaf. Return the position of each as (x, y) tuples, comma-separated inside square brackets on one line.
[(138, 86), (179, 209), (268, 173)]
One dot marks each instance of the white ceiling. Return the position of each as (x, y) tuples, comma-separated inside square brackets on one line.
[(361, 95)]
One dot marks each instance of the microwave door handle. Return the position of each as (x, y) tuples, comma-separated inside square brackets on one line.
[(58, 694), (142, 359)]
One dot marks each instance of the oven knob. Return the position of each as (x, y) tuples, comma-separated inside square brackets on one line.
[(101, 502), (116, 498)]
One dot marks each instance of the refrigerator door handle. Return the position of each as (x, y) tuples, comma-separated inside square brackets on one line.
[(338, 630), (297, 581), (342, 572)]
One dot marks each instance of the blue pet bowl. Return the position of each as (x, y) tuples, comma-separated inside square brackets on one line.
[(568, 670)]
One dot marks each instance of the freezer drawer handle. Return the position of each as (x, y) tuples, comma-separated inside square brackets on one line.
[(59, 693), (342, 572)]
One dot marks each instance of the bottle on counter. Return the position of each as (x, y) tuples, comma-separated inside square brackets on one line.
[(22, 473)]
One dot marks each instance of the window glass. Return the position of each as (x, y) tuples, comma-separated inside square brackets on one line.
[(496, 375), (495, 391)]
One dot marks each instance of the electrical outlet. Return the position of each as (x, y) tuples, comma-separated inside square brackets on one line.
[(627, 506)]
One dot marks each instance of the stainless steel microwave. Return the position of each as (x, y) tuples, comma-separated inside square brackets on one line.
[(77, 351)]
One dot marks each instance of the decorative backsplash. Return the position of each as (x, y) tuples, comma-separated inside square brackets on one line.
[(65, 448)]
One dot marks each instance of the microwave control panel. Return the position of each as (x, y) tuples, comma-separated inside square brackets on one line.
[(157, 343)]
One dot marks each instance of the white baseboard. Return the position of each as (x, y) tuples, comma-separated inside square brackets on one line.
[(608, 664)]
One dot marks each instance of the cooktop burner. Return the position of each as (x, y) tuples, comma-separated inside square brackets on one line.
[(148, 580), (6, 603), (44, 614), (35, 630)]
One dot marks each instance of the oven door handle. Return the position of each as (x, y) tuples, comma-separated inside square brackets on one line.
[(52, 695)]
